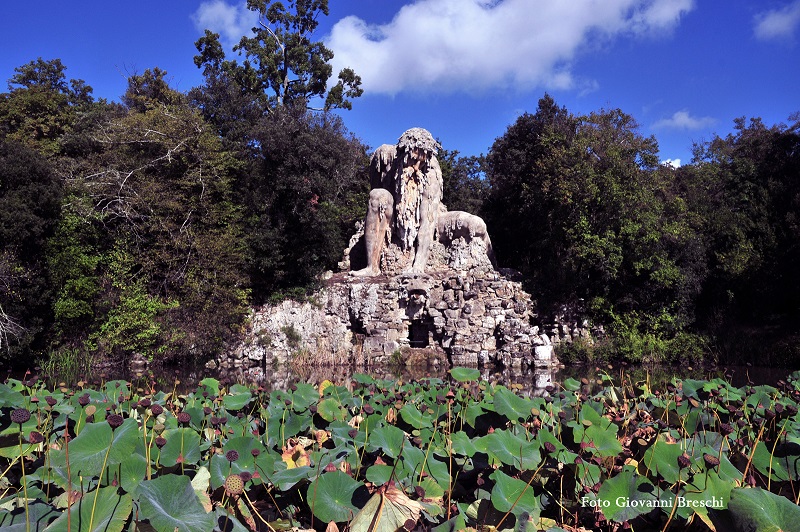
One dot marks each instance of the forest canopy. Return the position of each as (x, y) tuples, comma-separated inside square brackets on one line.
[(149, 227)]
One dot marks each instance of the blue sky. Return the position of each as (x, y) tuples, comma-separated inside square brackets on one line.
[(465, 69)]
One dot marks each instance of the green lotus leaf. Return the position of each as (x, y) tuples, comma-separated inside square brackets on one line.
[(330, 409), (387, 439), (511, 494), (662, 459), (285, 479), (511, 405), (170, 503), (40, 515), (505, 447), (131, 472), (415, 461), (363, 378), (97, 443), (237, 399), (10, 398), (304, 396), (462, 444), (465, 374), (707, 491), (212, 384), (571, 384), (472, 412), (411, 415), (183, 446), (103, 510), (625, 496), (757, 510), (380, 474), (220, 467), (781, 465), (340, 433), (604, 439), (330, 497)]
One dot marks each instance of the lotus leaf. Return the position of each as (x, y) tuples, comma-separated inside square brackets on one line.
[(758, 510), (626, 496), (170, 503), (330, 497), (102, 510)]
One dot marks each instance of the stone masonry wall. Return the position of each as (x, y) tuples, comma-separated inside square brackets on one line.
[(476, 317)]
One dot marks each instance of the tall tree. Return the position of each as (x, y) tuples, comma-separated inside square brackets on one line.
[(283, 66), (158, 266), (580, 205), (30, 201), (744, 188), (303, 195), (41, 106)]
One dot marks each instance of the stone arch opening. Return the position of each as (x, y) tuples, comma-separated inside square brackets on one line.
[(418, 334)]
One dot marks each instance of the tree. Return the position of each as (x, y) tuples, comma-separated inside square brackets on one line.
[(744, 189), (302, 196), (30, 201), (282, 66), (464, 183), (157, 264), (580, 205), (41, 106)]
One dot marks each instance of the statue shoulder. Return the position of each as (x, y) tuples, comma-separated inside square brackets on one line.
[(380, 166)]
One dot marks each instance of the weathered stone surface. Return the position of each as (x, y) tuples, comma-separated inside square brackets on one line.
[(368, 320)]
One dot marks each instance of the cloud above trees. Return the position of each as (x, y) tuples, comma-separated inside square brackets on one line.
[(230, 21), (475, 46), (778, 23), (684, 120)]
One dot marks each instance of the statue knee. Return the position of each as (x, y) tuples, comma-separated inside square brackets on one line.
[(380, 199)]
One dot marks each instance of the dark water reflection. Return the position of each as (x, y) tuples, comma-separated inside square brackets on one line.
[(529, 381)]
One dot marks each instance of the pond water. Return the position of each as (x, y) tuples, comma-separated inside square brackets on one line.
[(530, 382)]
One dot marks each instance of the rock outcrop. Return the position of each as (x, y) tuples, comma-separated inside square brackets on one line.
[(476, 317)]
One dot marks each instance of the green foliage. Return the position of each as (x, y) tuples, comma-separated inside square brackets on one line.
[(431, 452), (302, 197), (282, 65), (744, 191), (292, 336), (133, 325), (464, 186), (30, 201)]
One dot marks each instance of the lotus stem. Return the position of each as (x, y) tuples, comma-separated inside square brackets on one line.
[(24, 483), (97, 489), (772, 455), (674, 503), (752, 452), (255, 511)]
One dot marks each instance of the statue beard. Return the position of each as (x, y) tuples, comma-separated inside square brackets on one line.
[(408, 206)]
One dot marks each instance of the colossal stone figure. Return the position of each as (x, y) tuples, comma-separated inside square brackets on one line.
[(406, 209), (405, 199)]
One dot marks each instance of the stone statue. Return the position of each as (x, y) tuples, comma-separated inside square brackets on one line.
[(406, 211), (404, 202)]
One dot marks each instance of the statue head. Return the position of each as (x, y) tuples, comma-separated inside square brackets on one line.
[(417, 145)]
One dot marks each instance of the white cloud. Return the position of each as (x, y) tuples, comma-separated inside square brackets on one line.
[(778, 23), (230, 21), (475, 45), (674, 163), (683, 120)]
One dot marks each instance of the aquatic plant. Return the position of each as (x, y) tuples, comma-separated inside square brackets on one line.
[(372, 454)]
